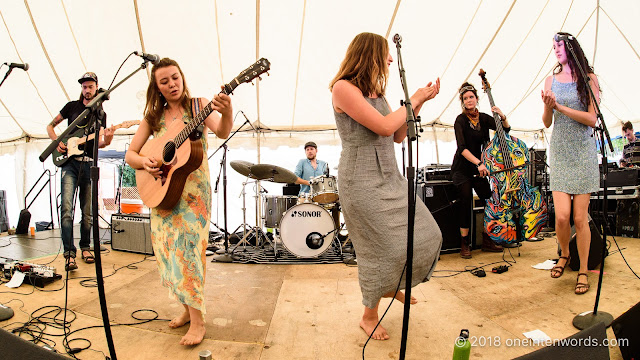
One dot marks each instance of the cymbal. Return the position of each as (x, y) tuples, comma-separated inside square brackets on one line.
[(273, 173), (243, 167)]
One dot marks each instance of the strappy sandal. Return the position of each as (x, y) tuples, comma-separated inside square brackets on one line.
[(89, 259), (70, 264), (581, 287), (559, 270)]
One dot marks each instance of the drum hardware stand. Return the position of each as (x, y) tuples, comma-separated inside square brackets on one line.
[(245, 234), (588, 319), (226, 256)]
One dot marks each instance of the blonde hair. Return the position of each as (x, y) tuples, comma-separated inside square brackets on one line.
[(365, 64)]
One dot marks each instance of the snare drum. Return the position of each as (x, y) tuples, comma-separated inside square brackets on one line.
[(274, 207), (307, 230), (324, 189)]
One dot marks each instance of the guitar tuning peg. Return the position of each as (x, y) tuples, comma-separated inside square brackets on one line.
[(259, 78), (268, 74), (252, 82)]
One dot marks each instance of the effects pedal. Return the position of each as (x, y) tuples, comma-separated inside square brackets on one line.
[(500, 269)]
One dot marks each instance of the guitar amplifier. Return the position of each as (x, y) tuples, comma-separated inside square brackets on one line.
[(131, 233)]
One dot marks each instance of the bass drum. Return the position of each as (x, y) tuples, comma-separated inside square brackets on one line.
[(307, 230)]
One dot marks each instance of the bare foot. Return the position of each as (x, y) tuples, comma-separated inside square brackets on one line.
[(195, 334), (180, 320), (400, 297), (379, 334)]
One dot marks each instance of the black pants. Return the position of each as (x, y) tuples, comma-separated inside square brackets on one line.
[(465, 197)]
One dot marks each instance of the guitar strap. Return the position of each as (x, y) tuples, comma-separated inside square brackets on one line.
[(195, 109)]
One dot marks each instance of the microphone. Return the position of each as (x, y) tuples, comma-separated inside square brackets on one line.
[(153, 58), (560, 37), (397, 39), (245, 116), (264, 190), (24, 66)]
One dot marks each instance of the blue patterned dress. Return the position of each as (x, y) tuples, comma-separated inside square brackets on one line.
[(573, 155), (180, 235)]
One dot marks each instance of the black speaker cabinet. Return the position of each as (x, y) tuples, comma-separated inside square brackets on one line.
[(628, 218), (440, 197), (625, 328), (4, 219), (131, 233), (595, 251)]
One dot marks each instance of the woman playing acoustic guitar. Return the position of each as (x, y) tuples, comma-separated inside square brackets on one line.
[(179, 235)]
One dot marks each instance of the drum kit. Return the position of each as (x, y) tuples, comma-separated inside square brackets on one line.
[(303, 225)]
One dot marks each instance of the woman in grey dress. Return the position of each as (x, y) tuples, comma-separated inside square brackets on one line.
[(573, 157), (373, 193)]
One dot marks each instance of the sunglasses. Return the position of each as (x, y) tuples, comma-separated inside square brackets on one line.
[(561, 37), (467, 88)]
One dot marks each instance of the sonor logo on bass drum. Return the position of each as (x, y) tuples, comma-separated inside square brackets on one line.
[(315, 214)]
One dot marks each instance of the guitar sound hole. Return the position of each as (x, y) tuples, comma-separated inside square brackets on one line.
[(169, 152)]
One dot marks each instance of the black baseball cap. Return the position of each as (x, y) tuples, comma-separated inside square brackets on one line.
[(310, 143), (88, 76)]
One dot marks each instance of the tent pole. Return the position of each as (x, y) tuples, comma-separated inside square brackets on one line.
[(435, 140)]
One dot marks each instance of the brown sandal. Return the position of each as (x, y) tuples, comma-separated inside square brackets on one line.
[(559, 270), (581, 287)]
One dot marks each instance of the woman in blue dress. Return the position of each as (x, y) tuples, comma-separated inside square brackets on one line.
[(573, 157)]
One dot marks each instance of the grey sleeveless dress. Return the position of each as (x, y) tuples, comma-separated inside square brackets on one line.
[(573, 157), (373, 195)]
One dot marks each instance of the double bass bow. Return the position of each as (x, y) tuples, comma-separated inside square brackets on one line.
[(515, 210)]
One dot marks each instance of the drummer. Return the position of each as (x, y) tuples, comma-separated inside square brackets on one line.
[(309, 167), (312, 167), (630, 152)]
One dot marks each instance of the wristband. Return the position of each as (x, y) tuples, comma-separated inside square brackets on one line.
[(478, 164)]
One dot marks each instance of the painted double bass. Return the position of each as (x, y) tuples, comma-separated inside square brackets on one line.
[(516, 210)]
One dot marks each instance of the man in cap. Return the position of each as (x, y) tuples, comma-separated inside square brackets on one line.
[(76, 171), (632, 149), (309, 167)]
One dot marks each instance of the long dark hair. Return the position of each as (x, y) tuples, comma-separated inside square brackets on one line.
[(581, 85), (156, 102), (365, 64)]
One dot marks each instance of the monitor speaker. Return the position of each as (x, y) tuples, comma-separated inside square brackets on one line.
[(625, 328), (131, 233), (595, 250), (440, 198)]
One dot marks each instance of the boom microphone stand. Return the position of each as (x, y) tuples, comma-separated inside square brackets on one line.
[(586, 320), (411, 135), (226, 256), (93, 111)]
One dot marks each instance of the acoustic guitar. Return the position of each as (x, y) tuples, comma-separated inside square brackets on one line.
[(76, 140), (177, 154)]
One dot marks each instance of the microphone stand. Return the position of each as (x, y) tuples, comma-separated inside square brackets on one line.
[(411, 135), (586, 320), (95, 115), (6, 75), (226, 256)]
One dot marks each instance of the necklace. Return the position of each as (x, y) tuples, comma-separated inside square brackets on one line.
[(174, 116)]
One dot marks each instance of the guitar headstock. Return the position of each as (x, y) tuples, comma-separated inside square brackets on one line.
[(254, 71), (485, 84), (128, 124), (247, 75)]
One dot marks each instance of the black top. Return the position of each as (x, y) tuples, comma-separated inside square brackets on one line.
[(473, 140), (71, 112)]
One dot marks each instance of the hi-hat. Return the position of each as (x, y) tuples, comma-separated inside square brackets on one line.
[(273, 173), (243, 167)]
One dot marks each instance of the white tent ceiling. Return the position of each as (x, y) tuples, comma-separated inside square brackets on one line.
[(305, 41)]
